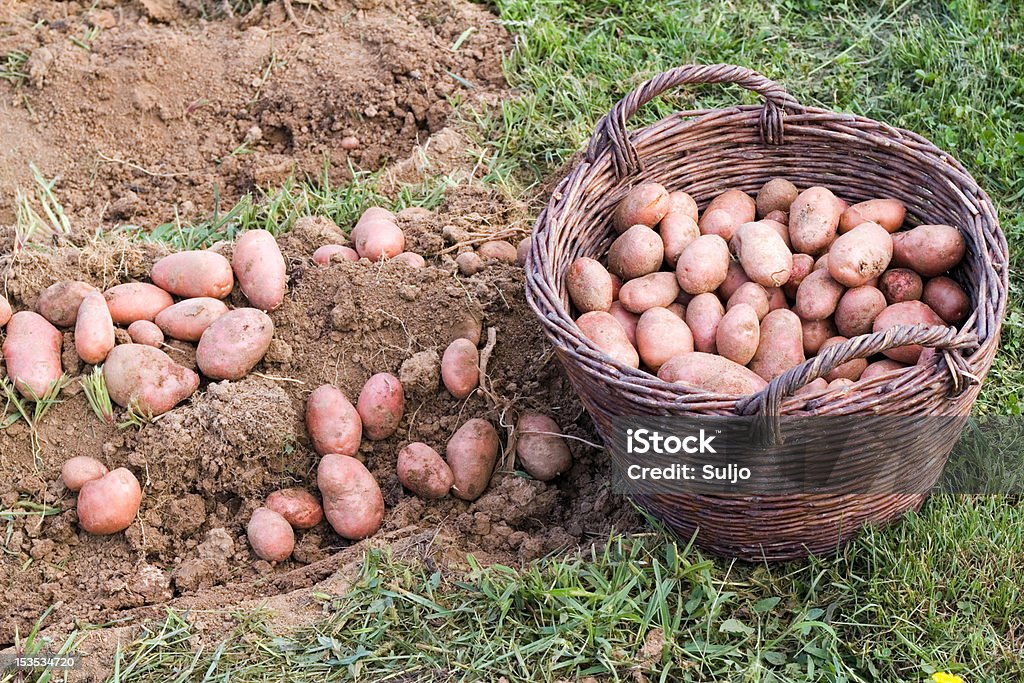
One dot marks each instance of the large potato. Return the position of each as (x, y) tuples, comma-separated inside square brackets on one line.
[(94, 329), (109, 504), (857, 310), (775, 195), (80, 469), (332, 421), (635, 253), (764, 255), (906, 313), (542, 451), (60, 301), (888, 213), (609, 336), (738, 334), (813, 219), (234, 343), (781, 344), (752, 294), (377, 239), (703, 315), (460, 368), (802, 267), (711, 373), (590, 285), (681, 202), (32, 354), (422, 470), (353, 503), (645, 204), (136, 301), (627, 320), (660, 335), (650, 291), (929, 250), (781, 229), (736, 207), (472, 452), (677, 231), (947, 299), (817, 296), (859, 255), (851, 369), (815, 332), (900, 284), (188, 319), (147, 379), (381, 405), (735, 278), (703, 265), (191, 274), (270, 535), (299, 507), (260, 269)]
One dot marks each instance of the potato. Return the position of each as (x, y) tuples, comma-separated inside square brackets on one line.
[(781, 344), (947, 299), (851, 369), (821, 263), (778, 217), (299, 507), (410, 259), (776, 299), (764, 255), (270, 535), (188, 319), (817, 296), (857, 310), (645, 204), (881, 367), (5, 310), (469, 263), (738, 208), (738, 333), (542, 451), (472, 452), (422, 470), (381, 405), (703, 265), (32, 354), (109, 504), (332, 422), (888, 213), (813, 219), (460, 368), (735, 278), (80, 469), (906, 313), (650, 291), (718, 222), (711, 373), (260, 269), (703, 315), (353, 503), (859, 255), (677, 231), (775, 195), (677, 309), (635, 253), (682, 203), (928, 249), (590, 285), (782, 229), (660, 335), (147, 379), (609, 336), (499, 250), (817, 386), (523, 250), (802, 267), (60, 301), (191, 274), (900, 284), (145, 332), (136, 301), (375, 213), (840, 384), (814, 333), (752, 294), (234, 343), (467, 324), (377, 239), (616, 286), (627, 320), (334, 252), (94, 330)]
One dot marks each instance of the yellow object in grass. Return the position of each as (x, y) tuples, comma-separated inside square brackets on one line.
[(943, 677)]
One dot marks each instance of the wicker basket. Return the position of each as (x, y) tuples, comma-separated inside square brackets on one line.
[(704, 153)]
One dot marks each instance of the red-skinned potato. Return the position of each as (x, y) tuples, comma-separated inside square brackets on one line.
[(650, 291), (703, 315), (299, 507), (332, 421), (821, 263), (523, 250), (136, 301), (5, 310), (752, 294), (270, 535), (815, 332), (32, 354), (780, 346), (677, 230), (353, 503), (900, 284), (929, 250), (376, 213), (188, 319), (817, 386), (711, 373), (776, 299), (763, 254), (259, 266), (423, 471), (147, 379), (645, 204), (145, 332), (627, 320), (888, 213), (234, 343), (906, 313), (460, 368), (813, 220), (590, 285), (802, 267), (851, 369), (857, 310), (737, 207), (499, 250), (782, 229), (735, 278), (738, 334), (472, 452), (703, 265), (817, 296), (860, 255), (660, 335), (334, 252), (410, 259), (947, 299), (109, 504), (616, 287), (609, 336), (60, 301), (635, 253), (94, 330), (378, 239), (381, 405), (681, 202), (677, 309), (779, 217), (775, 195), (881, 367), (191, 274), (542, 451), (80, 469)]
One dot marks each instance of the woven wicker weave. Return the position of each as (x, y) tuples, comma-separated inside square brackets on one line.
[(705, 153)]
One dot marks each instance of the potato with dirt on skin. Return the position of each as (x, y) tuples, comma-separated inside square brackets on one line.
[(260, 268), (635, 253), (735, 278), (410, 259), (460, 368), (377, 239), (813, 220), (660, 335), (763, 254), (881, 367), (677, 230), (738, 334), (133, 301), (471, 453), (109, 504), (190, 274), (888, 213), (906, 313), (5, 310), (802, 267), (780, 346), (32, 354), (682, 203), (333, 423), (711, 373), (523, 250), (234, 343), (650, 291), (146, 332), (541, 448), (60, 301), (298, 507), (147, 379), (752, 294), (423, 471), (859, 255), (80, 469), (334, 252), (703, 265), (851, 369), (857, 310), (703, 315), (645, 204), (947, 299), (627, 320), (270, 535), (499, 250), (818, 296), (94, 329), (900, 284), (815, 332), (590, 285), (381, 405), (609, 336), (775, 195), (726, 212), (929, 250), (188, 319), (353, 503)]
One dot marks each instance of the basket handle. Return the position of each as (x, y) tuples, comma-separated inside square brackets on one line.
[(611, 130)]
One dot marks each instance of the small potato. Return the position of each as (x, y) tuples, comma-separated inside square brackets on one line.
[(677, 231), (703, 265), (136, 301), (260, 269), (234, 343), (857, 310), (775, 195), (542, 451), (928, 249), (609, 336), (818, 296), (660, 335), (882, 367), (636, 252), (32, 354), (378, 239), (94, 330), (381, 405), (738, 208), (649, 291), (191, 274), (5, 310), (781, 344), (80, 469), (147, 379), (332, 422), (815, 332), (60, 301), (711, 373), (353, 503), (523, 250), (460, 368), (627, 320), (813, 219), (471, 453), (947, 299), (764, 255), (681, 202), (499, 250), (851, 369), (424, 472), (590, 285), (145, 332), (645, 204), (859, 255), (334, 252), (900, 284), (299, 507), (109, 504), (703, 315), (738, 334), (814, 387), (735, 278), (752, 294), (188, 319), (802, 267), (906, 313), (888, 213), (410, 259), (778, 217), (270, 535)]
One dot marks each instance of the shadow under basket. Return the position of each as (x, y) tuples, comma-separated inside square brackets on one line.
[(704, 153)]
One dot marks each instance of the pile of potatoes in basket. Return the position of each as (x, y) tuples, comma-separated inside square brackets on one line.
[(730, 298)]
